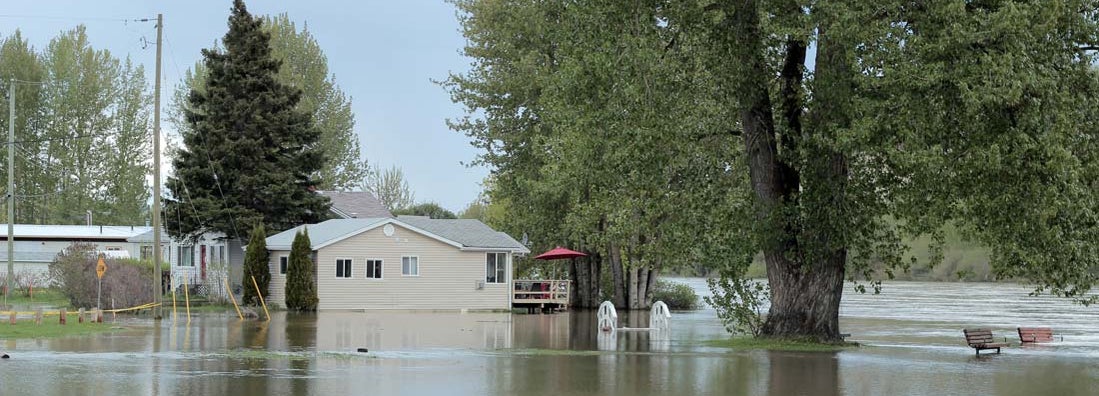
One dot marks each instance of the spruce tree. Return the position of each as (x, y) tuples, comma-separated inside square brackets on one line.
[(301, 295), (256, 265), (249, 152)]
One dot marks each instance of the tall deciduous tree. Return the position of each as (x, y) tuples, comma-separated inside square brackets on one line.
[(712, 131), (82, 132), (391, 188), (256, 265), (250, 153), (301, 289), (305, 66)]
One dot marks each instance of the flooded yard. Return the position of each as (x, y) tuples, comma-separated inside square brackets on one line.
[(912, 338)]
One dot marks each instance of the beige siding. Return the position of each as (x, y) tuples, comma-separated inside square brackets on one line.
[(277, 286), (448, 276)]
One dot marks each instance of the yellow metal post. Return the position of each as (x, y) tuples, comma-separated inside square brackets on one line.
[(233, 299), (261, 299), (187, 299)]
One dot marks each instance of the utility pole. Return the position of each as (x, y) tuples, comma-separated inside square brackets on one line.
[(11, 189), (157, 255)]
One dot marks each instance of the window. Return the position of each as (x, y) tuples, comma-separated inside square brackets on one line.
[(343, 268), (217, 254), (283, 261), (496, 265), (146, 252), (410, 266), (186, 256), (374, 269)]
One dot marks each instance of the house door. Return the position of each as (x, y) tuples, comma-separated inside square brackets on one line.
[(202, 260)]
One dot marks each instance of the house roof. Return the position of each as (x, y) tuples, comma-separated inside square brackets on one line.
[(356, 204), (464, 234), (78, 232)]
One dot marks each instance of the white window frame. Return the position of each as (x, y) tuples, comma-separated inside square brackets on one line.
[(190, 256), (142, 255), (417, 266), (283, 266), (350, 268), (497, 264), (381, 269)]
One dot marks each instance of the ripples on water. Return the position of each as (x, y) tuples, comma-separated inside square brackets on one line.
[(912, 332)]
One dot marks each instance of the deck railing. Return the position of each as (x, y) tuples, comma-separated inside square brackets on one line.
[(541, 292)]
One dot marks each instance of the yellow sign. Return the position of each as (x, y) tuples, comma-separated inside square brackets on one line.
[(100, 268)]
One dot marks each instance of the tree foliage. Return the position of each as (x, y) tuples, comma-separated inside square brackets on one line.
[(305, 67), (256, 265), (250, 153), (301, 290), (429, 209), (127, 282), (391, 188), (658, 133), (82, 119)]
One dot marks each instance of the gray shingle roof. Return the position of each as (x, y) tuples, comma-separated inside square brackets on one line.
[(323, 233), (356, 204), (467, 233)]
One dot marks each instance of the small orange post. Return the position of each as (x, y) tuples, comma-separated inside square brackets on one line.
[(12, 320), (63, 315)]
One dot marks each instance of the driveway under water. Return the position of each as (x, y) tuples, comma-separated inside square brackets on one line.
[(912, 339)]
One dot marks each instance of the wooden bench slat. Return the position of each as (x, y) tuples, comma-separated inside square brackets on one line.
[(1035, 334), (981, 339)]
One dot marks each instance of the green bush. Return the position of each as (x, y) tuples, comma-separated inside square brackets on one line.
[(301, 293), (255, 265), (739, 303), (676, 295)]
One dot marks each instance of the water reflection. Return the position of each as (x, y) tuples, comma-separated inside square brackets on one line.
[(453, 353)]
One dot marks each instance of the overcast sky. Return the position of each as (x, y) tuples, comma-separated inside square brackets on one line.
[(384, 54)]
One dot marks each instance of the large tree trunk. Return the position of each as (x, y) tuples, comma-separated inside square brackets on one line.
[(804, 268), (618, 277), (585, 274)]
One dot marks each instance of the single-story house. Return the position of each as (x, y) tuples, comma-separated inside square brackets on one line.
[(35, 246), (208, 259), (408, 262)]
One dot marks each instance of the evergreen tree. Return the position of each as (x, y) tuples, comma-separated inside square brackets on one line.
[(256, 265), (301, 295), (249, 153)]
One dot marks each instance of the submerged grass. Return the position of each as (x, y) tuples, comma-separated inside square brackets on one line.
[(292, 356), (51, 329), (778, 345)]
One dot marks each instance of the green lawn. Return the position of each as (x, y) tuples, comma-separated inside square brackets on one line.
[(45, 297), (777, 345), (50, 328)]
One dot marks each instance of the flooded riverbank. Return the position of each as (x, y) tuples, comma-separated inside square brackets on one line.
[(912, 337)]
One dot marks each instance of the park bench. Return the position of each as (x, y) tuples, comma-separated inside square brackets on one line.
[(981, 339), (1029, 335)]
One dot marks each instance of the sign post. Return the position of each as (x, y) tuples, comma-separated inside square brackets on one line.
[(100, 268)]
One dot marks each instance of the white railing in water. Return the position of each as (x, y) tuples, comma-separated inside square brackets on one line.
[(541, 292)]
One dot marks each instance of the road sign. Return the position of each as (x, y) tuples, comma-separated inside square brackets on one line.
[(100, 268)]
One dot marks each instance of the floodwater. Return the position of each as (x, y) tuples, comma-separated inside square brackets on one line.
[(911, 333)]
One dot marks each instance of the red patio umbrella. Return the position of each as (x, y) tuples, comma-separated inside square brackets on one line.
[(556, 254), (559, 253)]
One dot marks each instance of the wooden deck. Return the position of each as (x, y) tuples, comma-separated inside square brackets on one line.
[(543, 295)]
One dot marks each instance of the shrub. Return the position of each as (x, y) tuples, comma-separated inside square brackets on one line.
[(127, 283), (301, 294), (676, 295), (255, 265), (739, 303)]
